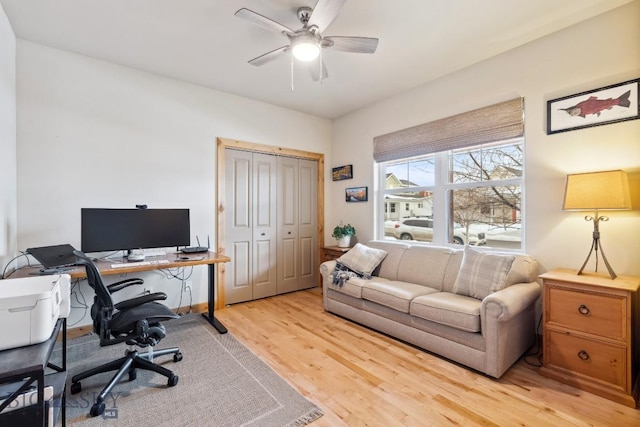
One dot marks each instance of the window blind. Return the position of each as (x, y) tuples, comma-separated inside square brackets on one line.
[(496, 122)]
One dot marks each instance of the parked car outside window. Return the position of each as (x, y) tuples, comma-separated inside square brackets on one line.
[(421, 229)]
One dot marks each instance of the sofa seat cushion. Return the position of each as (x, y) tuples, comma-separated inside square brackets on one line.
[(449, 309), (393, 294)]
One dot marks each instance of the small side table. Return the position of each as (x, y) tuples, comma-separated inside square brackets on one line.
[(590, 333), (329, 253)]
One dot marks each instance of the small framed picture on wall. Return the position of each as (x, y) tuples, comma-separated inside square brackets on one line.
[(356, 194), (342, 172)]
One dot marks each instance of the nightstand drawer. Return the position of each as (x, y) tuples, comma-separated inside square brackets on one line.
[(603, 315), (328, 256), (593, 359)]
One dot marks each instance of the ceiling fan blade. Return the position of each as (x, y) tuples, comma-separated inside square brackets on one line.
[(263, 21), (351, 44), (314, 70), (269, 56), (324, 13)]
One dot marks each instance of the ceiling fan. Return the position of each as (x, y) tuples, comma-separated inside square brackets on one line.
[(307, 43)]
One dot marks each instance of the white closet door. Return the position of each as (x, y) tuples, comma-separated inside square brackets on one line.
[(264, 225), (271, 225), (288, 249), (308, 223), (238, 226)]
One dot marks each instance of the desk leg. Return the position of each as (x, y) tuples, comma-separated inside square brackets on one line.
[(209, 315)]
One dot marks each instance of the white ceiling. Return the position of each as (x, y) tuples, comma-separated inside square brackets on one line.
[(202, 42)]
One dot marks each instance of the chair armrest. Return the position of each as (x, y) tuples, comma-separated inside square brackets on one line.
[(115, 287), (510, 301), (137, 301)]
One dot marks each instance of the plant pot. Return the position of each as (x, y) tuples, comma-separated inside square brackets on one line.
[(344, 241)]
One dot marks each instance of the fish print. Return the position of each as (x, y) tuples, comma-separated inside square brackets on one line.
[(595, 106)]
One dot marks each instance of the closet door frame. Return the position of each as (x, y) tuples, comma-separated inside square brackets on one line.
[(224, 143)]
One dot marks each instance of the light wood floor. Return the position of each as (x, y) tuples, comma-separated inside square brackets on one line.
[(362, 378)]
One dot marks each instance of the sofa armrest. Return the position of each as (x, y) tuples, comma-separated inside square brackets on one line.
[(508, 325), (326, 268), (509, 302)]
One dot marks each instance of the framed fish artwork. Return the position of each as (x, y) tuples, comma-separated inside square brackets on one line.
[(609, 104)]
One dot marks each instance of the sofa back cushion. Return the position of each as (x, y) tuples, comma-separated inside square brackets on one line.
[(453, 268), (388, 268), (425, 265)]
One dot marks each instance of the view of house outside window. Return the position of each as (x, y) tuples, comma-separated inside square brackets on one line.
[(465, 196)]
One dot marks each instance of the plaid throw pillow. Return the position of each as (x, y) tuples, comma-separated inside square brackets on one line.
[(362, 259), (482, 274)]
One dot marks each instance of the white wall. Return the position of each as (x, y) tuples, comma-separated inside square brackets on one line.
[(95, 134), (8, 184), (602, 51)]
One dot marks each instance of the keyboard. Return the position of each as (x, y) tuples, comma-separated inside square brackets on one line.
[(139, 264)]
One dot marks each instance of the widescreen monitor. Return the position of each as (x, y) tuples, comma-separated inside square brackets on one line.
[(127, 229)]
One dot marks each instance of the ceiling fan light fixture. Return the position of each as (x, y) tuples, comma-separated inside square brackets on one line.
[(305, 48)]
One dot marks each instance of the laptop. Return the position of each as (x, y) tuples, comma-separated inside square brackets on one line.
[(54, 257)]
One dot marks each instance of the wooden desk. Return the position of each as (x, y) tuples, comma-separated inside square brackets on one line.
[(209, 258)]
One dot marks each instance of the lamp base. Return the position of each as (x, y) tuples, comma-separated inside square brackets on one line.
[(595, 246)]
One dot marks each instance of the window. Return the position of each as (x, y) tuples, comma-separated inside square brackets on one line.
[(470, 195), (463, 172)]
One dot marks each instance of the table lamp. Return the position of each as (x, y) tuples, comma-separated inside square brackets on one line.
[(606, 190)]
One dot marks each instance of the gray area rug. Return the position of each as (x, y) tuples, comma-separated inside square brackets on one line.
[(222, 383)]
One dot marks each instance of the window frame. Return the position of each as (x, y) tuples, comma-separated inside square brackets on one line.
[(442, 191)]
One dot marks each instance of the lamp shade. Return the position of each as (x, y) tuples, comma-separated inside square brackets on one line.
[(597, 190)]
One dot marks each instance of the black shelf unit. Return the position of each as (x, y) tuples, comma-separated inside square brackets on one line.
[(30, 366)]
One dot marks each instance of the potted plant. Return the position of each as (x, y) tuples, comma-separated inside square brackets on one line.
[(343, 233)]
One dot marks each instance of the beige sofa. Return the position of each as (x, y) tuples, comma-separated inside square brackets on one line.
[(415, 295)]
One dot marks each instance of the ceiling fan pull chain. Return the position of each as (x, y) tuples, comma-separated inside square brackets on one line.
[(320, 65), (292, 72)]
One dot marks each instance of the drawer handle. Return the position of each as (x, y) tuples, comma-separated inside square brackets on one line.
[(583, 355), (584, 310)]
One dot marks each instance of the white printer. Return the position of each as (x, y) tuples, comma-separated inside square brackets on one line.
[(30, 308)]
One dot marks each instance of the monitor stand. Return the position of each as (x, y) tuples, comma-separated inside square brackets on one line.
[(134, 257)]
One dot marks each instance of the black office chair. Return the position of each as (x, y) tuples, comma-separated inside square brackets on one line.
[(135, 321)]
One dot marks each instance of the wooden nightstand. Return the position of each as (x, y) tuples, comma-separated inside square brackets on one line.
[(591, 333), (330, 253)]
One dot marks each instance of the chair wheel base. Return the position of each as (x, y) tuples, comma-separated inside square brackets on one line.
[(133, 374), (76, 388), (97, 409), (173, 380), (177, 357)]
